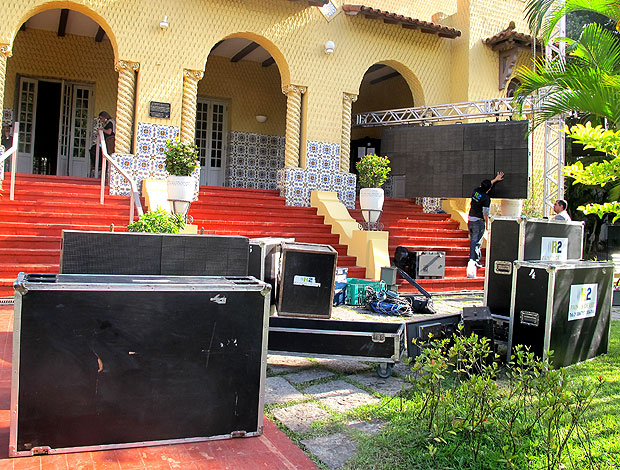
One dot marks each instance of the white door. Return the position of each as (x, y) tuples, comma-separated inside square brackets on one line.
[(64, 136), (81, 129), (27, 118), (211, 132)]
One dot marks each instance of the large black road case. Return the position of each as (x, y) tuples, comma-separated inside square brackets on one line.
[(264, 261), (365, 341), (119, 361), (520, 238), (564, 307)]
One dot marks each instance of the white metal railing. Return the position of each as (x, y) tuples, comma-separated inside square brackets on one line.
[(498, 107), (135, 195), (12, 152)]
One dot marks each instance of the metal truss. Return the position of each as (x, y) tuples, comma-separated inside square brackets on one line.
[(495, 108)]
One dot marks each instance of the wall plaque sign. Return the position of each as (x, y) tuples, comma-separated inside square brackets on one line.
[(159, 110)]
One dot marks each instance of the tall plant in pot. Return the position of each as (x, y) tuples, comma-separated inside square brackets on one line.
[(181, 161), (373, 172)]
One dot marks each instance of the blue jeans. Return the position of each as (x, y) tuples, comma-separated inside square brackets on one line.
[(476, 232)]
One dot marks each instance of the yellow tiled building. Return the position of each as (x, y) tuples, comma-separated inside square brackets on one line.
[(266, 88)]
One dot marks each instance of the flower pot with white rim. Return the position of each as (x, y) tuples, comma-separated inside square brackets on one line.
[(181, 188), (371, 203)]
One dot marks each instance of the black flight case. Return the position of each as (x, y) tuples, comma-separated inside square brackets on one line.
[(106, 362), (564, 307)]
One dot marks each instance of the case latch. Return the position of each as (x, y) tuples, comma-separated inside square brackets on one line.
[(529, 318), (378, 337), (502, 267), (238, 434)]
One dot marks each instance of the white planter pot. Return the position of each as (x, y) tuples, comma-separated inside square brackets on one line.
[(511, 207), (181, 188), (371, 203)]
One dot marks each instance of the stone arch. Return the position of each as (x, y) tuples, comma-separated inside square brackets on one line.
[(79, 7), (412, 80), (274, 51)]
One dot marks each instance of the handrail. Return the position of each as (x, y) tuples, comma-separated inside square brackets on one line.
[(12, 152), (135, 196)]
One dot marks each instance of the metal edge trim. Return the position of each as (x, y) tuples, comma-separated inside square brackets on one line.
[(280, 329), (513, 301), (263, 363), (168, 287), (13, 410), (129, 445), (487, 256), (332, 356), (549, 311)]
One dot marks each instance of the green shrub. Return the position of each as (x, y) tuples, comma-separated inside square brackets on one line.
[(373, 170), (158, 221), (181, 159)]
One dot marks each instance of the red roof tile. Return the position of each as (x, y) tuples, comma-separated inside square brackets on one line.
[(405, 21), (509, 38)]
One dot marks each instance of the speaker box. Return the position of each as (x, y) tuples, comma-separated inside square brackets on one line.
[(124, 253), (306, 285)]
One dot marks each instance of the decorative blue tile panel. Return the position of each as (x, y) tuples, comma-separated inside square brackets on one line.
[(321, 173), (148, 163), (254, 159)]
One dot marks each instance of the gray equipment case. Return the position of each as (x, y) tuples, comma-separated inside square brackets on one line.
[(430, 264), (105, 362), (522, 239), (564, 307)]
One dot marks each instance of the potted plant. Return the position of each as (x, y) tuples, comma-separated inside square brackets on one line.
[(372, 171), (181, 161), (157, 221)]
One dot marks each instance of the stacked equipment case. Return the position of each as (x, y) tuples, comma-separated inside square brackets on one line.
[(562, 306)]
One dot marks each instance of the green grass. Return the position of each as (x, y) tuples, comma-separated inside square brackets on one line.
[(404, 444)]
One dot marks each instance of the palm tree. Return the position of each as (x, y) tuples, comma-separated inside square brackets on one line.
[(590, 82)]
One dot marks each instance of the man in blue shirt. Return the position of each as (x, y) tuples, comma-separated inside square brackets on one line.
[(478, 216)]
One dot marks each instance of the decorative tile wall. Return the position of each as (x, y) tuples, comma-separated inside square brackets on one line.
[(148, 163), (321, 173), (254, 160), (430, 204)]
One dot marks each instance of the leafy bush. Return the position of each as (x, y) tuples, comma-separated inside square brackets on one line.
[(158, 221), (181, 158), (373, 171)]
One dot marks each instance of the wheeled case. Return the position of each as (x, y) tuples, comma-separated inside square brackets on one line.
[(564, 307), (264, 261), (104, 362), (524, 239), (364, 341)]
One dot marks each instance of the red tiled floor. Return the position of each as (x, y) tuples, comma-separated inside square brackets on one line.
[(273, 450)]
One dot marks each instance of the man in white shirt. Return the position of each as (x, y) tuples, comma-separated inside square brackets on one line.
[(560, 210)]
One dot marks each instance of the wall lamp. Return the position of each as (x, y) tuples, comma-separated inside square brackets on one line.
[(329, 47), (261, 118), (164, 24)]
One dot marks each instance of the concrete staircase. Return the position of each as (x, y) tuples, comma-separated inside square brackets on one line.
[(31, 225), (409, 226)]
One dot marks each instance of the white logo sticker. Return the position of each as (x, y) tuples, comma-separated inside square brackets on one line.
[(553, 249), (218, 299), (306, 281), (583, 299)]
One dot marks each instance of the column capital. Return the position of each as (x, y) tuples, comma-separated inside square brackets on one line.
[(5, 50), (193, 74), (294, 89), (349, 97), (127, 65)]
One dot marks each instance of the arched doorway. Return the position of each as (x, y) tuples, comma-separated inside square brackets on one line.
[(60, 77), (383, 87), (241, 115)]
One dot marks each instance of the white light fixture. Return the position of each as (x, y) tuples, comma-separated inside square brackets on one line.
[(164, 24), (261, 118), (329, 47)]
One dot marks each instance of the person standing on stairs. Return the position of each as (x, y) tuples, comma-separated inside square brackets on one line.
[(109, 130), (478, 217)]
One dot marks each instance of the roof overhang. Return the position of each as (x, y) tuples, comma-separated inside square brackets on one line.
[(405, 21), (511, 39), (314, 3)]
